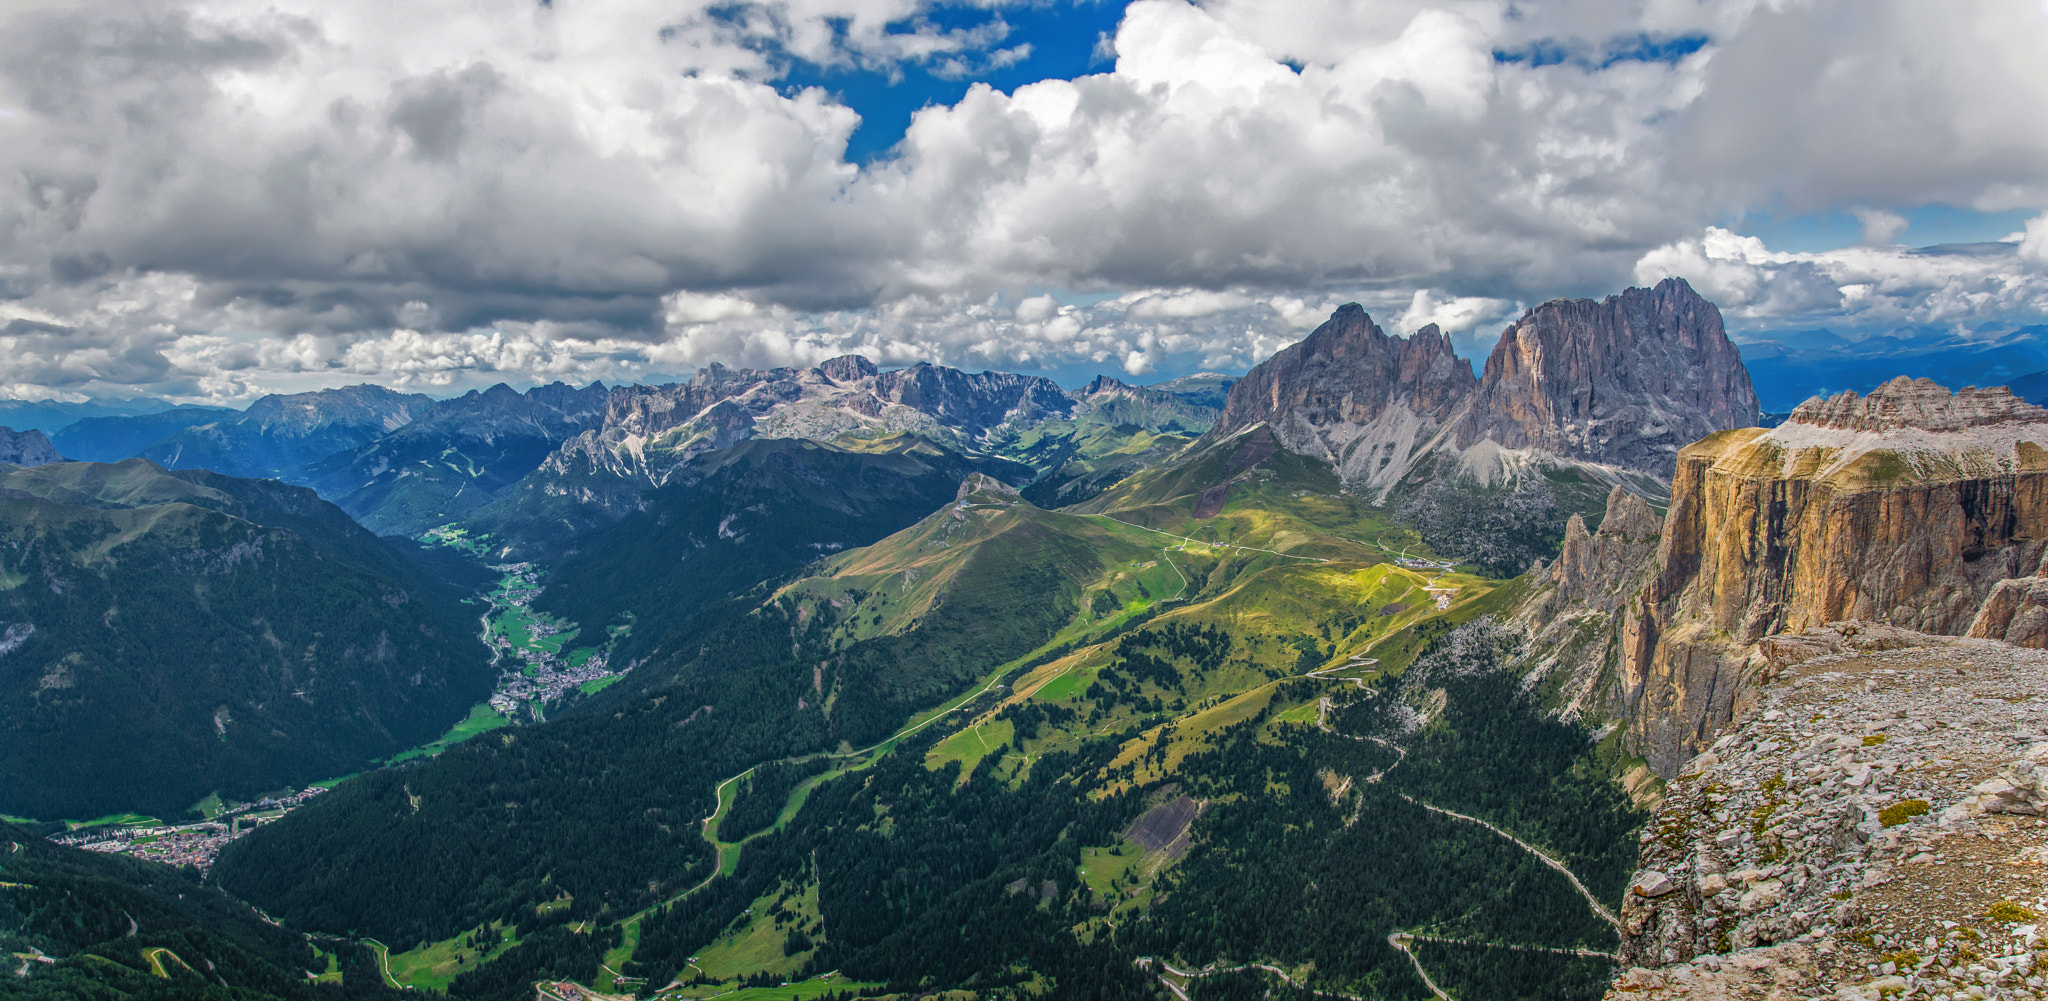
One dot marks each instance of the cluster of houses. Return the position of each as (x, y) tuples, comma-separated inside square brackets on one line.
[(544, 677), (188, 844)]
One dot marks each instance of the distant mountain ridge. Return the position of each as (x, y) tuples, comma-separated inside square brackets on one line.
[(1790, 366), (280, 435), (649, 431), (455, 457)]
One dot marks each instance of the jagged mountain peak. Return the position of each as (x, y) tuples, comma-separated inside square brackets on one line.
[(848, 368), (1347, 372), (26, 448), (1623, 381)]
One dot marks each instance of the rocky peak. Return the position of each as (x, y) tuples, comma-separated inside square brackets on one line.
[(1349, 394), (1917, 404), (1108, 384), (1628, 530), (27, 448), (973, 402), (1348, 371), (848, 368), (1626, 381)]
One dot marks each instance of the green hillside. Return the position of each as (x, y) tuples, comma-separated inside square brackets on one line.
[(1013, 751), (173, 635)]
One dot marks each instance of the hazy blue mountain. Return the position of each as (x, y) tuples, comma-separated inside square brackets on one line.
[(278, 437), (456, 457), (1787, 368), (1203, 389), (49, 416), (125, 436), (2032, 387)]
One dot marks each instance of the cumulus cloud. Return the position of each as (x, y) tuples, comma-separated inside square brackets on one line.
[(1866, 286), (208, 198)]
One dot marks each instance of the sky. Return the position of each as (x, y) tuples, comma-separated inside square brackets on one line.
[(213, 199)]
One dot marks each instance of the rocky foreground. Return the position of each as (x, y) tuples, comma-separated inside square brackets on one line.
[(1871, 828)]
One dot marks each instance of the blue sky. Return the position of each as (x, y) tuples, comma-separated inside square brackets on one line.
[(1063, 36), (1927, 225)]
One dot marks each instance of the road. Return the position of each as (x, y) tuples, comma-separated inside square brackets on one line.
[(383, 961), (1213, 545), (1274, 970), (1400, 940), (1591, 901)]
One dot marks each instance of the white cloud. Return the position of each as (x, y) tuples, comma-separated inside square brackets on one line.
[(1879, 226), (2033, 243), (1856, 286), (207, 198)]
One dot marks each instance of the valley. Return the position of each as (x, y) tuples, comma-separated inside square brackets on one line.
[(809, 717)]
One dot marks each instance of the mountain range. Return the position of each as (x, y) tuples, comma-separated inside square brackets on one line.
[(1361, 674)]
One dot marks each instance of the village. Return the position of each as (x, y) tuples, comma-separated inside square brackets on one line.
[(544, 671), (195, 845)]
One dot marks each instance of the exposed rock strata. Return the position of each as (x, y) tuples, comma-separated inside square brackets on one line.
[(1907, 507), (1618, 384), (1626, 381), (1869, 828)]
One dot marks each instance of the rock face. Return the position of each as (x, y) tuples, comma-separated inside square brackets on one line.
[(27, 448), (1908, 507), (1576, 614), (1867, 829), (1367, 403), (1626, 381)]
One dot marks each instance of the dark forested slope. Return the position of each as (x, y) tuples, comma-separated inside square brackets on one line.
[(166, 635)]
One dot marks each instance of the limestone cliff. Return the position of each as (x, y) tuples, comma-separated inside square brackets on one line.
[(1906, 507), (1626, 381)]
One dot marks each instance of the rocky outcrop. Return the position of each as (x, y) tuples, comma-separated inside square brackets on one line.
[(1575, 615), (1626, 381), (27, 448), (1868, 829), (1367, 403), (1907, 507), (2016, 612), (1621, 384)]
